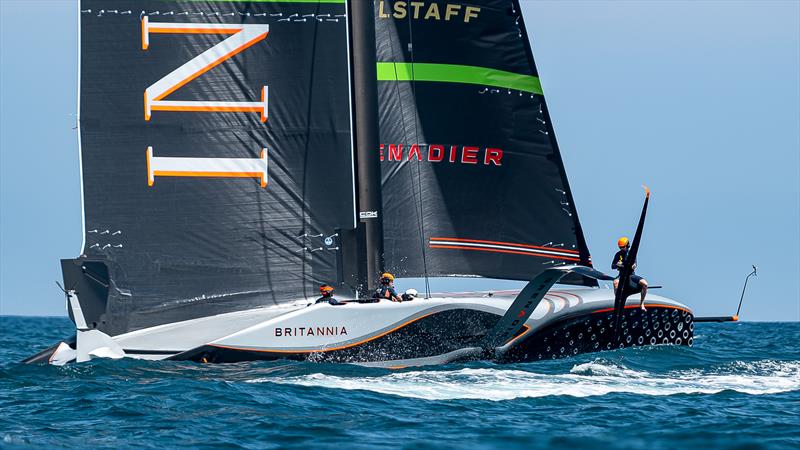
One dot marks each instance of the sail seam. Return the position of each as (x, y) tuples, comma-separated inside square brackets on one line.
[(420, 216)]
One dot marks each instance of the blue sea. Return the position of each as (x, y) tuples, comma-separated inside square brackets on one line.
[(738, 387)]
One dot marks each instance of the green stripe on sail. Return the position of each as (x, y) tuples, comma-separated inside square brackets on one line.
[(452, 73)]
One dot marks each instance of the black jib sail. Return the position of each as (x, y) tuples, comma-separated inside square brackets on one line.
[(472, 179), (216, 156)]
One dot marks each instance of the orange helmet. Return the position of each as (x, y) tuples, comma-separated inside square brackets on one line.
[(325, 289), (387, 277), (622, 242)]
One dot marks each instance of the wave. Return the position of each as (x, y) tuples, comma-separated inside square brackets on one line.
[(583, 380)]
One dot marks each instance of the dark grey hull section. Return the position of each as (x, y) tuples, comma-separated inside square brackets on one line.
[(595, 332)]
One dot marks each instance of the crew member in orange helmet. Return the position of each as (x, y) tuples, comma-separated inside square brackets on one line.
[(387, 289), (637, 283), (326, 293)]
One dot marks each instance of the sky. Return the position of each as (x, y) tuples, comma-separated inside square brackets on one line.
[(700, 100)]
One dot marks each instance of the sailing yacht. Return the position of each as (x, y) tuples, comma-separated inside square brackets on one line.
[(235, 155)]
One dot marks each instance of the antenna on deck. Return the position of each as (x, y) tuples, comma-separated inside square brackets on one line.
[(753, 273), (734, 318)]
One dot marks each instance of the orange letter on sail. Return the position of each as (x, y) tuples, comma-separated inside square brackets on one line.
[(242, 36)]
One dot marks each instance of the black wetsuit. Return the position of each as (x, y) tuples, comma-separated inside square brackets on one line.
[(619, 257), (330, 300)]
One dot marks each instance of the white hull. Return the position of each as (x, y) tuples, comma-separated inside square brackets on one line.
[(423, 331)]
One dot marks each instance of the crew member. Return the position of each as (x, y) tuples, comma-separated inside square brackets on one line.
[(387, 289), (326, 293), (637, 283)]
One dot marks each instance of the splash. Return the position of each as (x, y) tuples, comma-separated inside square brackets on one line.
[(583, 380)]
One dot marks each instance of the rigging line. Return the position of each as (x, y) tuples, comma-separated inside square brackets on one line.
[(754, 272), (403, 120), (420, 220), (305, 218)]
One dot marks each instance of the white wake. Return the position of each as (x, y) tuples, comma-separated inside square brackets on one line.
[(583, 380)]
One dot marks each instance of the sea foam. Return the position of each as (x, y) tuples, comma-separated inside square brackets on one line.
[(583, 380)]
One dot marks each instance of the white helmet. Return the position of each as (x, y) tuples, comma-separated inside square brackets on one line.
[(412, 293)]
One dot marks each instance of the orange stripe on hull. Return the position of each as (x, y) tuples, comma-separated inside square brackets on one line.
[(654, 305), (527, 329)]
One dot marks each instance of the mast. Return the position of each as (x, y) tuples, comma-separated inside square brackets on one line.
[(365, 122)]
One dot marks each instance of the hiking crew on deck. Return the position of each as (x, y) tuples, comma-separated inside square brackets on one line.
[(637, 283)]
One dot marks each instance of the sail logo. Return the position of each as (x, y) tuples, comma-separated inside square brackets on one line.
[(458, 154), (242, 37), (166, 166), (427, 11)]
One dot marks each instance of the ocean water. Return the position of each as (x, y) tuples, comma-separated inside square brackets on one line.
[(738, 387)]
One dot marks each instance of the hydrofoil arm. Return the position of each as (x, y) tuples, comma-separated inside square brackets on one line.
[(499, 339)]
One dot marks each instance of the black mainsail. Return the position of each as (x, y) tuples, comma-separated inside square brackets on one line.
[(472, 178), (216, 156)]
